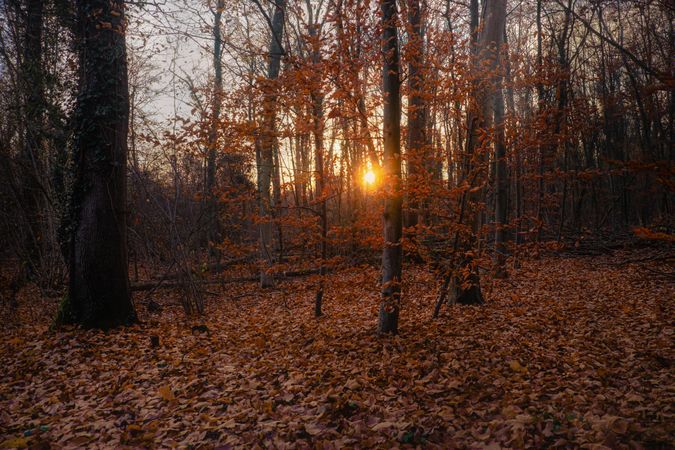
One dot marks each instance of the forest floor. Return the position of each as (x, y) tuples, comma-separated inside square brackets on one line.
[(568, 352)]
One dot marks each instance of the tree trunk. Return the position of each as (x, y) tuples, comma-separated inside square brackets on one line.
[(541, 100), (318, 130), (99, 294), (393, 223), (213, 231), (501, 184), (32, 88), (487, 58), (266, 145), (416, 113)]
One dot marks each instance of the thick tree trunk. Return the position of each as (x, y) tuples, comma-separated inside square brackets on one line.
[(266, 145), (99, 294), (393, 220)]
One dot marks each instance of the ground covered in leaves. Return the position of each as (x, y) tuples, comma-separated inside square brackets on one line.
[(568, 352)]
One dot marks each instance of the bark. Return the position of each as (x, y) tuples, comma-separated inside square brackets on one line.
[(393, 223), (99, 294)]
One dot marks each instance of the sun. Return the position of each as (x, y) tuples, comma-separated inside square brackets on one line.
[(369, 177)]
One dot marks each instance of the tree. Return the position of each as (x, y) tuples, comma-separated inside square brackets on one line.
[(98, 291), (213, 228), (487, 57), (393, 220), (501, 184), (266, 144), (417, 162), (317, 99), (465, 281), (32, 88)]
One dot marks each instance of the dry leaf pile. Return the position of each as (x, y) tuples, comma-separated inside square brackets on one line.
[(573, 352)]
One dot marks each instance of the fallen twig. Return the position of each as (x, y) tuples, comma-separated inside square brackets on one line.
[(154, 285)]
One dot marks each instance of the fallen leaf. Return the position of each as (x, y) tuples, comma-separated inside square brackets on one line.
[(166, 393), (19, 442)]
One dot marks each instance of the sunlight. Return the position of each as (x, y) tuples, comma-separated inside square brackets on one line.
[(369, 177)]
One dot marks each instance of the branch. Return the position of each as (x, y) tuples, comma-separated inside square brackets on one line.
[(663, 77), (269, 24)]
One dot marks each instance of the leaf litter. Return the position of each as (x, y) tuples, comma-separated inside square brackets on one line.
[(567, 353)]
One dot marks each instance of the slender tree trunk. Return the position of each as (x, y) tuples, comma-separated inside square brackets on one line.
[(99, 294), (317, 100), (212, 231), (474, 17), (561, 113), (393, 220), (467, 287), (541, 100), (318, 130), (266, 145), (416, 113), (32, 88), (277, 200), (516, 178), (501, 183)]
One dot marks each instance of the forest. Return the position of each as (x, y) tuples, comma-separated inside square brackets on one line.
[(337, 224)]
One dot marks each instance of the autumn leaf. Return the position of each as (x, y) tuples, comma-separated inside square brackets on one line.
[(382, 426), (352, 385), (314, 429), (516, 367), (16, 341), (166, 393), (19, 442)]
